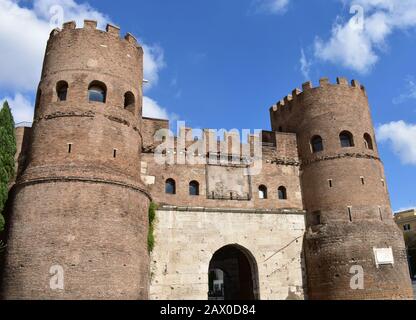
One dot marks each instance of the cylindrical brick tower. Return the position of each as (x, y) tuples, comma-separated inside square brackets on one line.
[(344, 192), (79, 217)]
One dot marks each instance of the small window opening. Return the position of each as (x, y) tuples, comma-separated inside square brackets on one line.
[(62, 90), (282, 193), (194, 188), (170, 186), (262, 192), (129, 101), (97, 92), (368, 142), (346, 139), (317, 144)]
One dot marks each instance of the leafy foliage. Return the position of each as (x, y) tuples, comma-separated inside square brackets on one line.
[(7, 152), (150, 235)]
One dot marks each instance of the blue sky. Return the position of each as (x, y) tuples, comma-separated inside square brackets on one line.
[(223, 63)]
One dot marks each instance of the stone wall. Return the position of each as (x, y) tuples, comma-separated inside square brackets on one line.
[(187, 238)]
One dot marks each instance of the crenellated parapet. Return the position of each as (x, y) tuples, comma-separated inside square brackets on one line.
[(224, 146), (91, 25), (308, 87)]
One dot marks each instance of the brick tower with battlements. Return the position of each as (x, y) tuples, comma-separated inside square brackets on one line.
[(344, 192), (79, 205)]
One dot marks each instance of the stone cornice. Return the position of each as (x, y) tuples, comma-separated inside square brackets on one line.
[(340, 156), (231, 210), (82, 179)]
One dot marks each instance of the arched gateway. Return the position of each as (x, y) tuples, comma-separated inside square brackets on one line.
[(233, 275)]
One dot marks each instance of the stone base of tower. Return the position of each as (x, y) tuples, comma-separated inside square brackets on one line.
[(332, 253), (76, 240)]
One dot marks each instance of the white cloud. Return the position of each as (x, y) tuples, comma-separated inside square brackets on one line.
[(23, 37), (48, 10), (152, 109), (271, 6), (356, 44), (24, 32), (21, 107), (154, 62), (347, 46), (410, 92), (305, 65), (402, 137)]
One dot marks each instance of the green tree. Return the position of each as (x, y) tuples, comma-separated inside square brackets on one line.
[(7, 153)]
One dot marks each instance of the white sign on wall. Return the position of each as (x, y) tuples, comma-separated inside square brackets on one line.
[(383, 256)]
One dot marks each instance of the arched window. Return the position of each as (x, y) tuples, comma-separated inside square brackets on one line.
[(346, 139), (170, 186), (62, 90), (262, 192), (282, 193), (129, 100), (97, 92), (368, 142), (316, 144), (194, 188)]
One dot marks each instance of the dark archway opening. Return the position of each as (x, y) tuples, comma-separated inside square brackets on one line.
[(233, 275)]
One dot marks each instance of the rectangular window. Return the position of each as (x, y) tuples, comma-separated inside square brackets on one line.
[(330, 183), (381, 213), (362, 180), (69, 147), (114, 153), (407, 227)]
